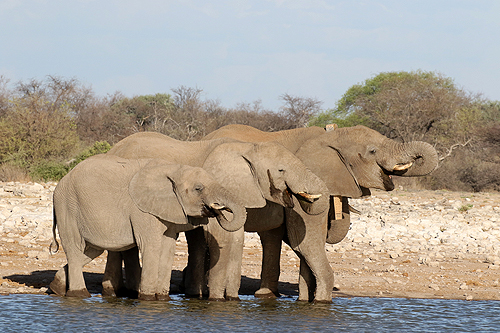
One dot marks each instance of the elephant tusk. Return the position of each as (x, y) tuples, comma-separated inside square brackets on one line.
[(217, 206), (309, 197), (354, 210), (401, 167)]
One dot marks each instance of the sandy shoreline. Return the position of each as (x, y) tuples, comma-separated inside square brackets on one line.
[(412, 244)]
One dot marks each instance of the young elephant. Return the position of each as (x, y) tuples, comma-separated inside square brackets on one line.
[(110, 203)]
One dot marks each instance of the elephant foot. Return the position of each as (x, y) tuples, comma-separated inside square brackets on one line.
[(232, 298), (216, 299), (130, 293), (162, 297), (109, 292), (195, 296), (82, 293), (58, 287), (325, 301), (195, 293), (121, 292), (266, 293), (147, 297)]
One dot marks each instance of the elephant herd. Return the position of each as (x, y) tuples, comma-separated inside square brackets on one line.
[(290, 186)]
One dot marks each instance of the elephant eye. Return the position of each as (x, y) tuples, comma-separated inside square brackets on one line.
[(281, 170), (199, 187), (372, 150)]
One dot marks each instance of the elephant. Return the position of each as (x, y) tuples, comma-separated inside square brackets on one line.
[(111, 203), (258, 174), (350, 161)]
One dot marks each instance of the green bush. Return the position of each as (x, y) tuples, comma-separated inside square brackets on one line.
[(99, 147), (52, 170), (49, 170)]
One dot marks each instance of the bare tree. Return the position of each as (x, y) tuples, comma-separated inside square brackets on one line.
[(298, 110), (5, 94)]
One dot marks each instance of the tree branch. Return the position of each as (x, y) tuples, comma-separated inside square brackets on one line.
[(456, 145)]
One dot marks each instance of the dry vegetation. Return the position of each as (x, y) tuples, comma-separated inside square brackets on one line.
[(47, 126)]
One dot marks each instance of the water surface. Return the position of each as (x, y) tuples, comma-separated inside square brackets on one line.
[(42, 313)]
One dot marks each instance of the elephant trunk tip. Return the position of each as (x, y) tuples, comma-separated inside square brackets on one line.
[(230, 216), (425, 159)]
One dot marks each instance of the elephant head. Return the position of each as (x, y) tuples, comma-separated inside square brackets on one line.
[(353, 159), (256, 172), (175, 192)]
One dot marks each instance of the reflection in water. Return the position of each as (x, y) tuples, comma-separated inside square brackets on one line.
[(41, 313)]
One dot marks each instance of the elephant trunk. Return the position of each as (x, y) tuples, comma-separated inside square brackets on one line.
[(411, 159), (230, 214), (311, 192)]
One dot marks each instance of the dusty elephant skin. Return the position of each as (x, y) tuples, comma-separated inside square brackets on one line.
[(115, 204), (350, 161), (412, 244), (258, 174)]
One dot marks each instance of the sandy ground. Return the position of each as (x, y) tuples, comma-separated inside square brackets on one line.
[(406, 276)]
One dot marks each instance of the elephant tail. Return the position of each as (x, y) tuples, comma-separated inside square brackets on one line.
[(54, 246)]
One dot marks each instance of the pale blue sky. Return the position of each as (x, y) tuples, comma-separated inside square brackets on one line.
[(242, 51)]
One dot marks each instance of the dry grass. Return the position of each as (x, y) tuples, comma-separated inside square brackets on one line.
[(12, 173)]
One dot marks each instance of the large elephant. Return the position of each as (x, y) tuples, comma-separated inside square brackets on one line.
[(258, 174), (110, 203), (350, 161)]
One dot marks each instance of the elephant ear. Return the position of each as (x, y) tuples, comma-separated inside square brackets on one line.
[(329, 164), (153, 191), (236, 173)]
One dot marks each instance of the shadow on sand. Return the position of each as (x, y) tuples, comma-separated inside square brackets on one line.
[(39, 279)]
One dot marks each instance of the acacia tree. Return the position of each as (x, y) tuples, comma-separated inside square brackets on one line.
[(412, 106)]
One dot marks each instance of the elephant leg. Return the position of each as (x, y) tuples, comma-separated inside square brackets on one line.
[(112, 282), (165, 266), (60, 283), (271, 251), (220, 248), (307, 282), (76, 285), (233, 270), (149, 237), (194, 275), (149, 274), (307, 236), (132, 271)]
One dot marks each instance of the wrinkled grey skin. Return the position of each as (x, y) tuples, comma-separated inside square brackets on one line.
[(110, 203), (256, 173), (350, 161)]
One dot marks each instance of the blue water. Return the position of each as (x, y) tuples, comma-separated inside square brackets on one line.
[(41, 313)]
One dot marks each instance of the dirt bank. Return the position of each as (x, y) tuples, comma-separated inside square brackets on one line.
[(416, 244)]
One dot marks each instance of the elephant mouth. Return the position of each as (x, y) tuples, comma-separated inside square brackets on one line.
[(398, 170), (387, 180), (287, 198)]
